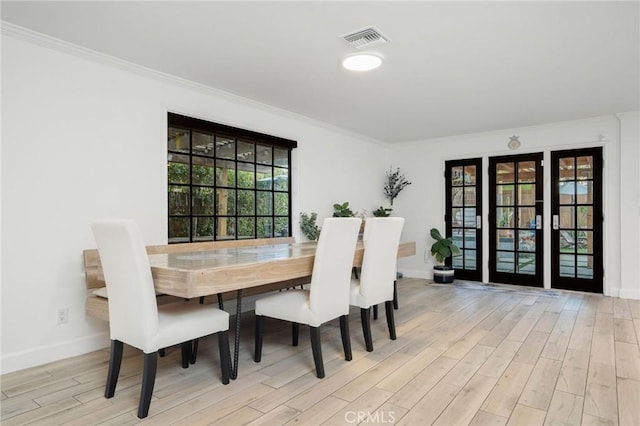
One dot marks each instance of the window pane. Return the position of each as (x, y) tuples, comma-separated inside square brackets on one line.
[(178, 140), (504, 217), (281, 227), (567, 168), (566, 217), (584, 168), (246, 151), (567, 192), (527, 263), (281, 179), (457, 262), (246, 203), (178, 168), (456, 237), (226, 202), (470, 218), (246, 175), (281, 201), (280, 157), (505, 262), (469, 238), (265, 203), (527, 240), (457, 194), (526, 217), (584, 192), (201, 143), (504, 172), (179, 200), (226, 228), (202, 171), (457, 176), (567, 241), (469, 260), (567, 265), (585, 217), (263, 154), (526, 195), (225, 147), (203, 228), (263, 177), (470, 196), (225, 173), (585, 267), (178, 229), (470, 175), (202, 201), (526, 171), (505, 240), (585, 242), (246, 227), (457, 218), (504, 195), (265, 227)]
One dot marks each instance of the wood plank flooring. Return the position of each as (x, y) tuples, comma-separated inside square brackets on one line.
[(465, 354)]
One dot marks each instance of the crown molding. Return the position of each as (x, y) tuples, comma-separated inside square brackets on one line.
[(34, 37)]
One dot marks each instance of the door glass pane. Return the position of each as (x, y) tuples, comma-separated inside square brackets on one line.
[(585, 241), (504, 172), (505, 240), (505, 262), (470, 175), (527, 194), (469, 238), (457, 176), (470, 196), (457, 218), (457, 262), (527, 263), (456, 237), (527, 217), (585, 217), (457, 196), (470, 218), (526, 171), (567, 241), (567, 168), (504, 217), (566, 217), (527, 240), (584, 192), (584, 168), (505, 195), (585, 267), (567, 192), (567, 265), (469, 259)]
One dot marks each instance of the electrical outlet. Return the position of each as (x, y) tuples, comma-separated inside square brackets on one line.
[(63, 316)]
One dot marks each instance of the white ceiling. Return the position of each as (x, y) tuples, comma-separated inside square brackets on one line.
[(451, 67)]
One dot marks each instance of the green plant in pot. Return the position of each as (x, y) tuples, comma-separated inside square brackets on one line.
[(442, 249), (342, 210), (382, 212), (309, 227)]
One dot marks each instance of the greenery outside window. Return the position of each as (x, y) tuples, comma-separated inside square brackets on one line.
[(226, 183)]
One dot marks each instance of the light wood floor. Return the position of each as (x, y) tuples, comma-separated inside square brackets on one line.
[(464, 355)]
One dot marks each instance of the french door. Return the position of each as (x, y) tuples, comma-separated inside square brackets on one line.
[(464, 216), (576, 236), (515, 219)]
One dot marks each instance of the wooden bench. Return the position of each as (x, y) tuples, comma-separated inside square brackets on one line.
[(97, 306)]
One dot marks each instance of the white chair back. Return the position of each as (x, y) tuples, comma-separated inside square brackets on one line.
[(381, 239), (133, 312), (331, 278)]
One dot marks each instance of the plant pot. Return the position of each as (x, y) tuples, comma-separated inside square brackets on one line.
[(443, 274)]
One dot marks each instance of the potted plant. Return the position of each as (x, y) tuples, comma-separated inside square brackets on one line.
[(382, 212), (342, 210), (309, 227), (441, 249), (395, 183)]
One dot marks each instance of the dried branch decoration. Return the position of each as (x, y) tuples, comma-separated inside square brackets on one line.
[(396, 182)]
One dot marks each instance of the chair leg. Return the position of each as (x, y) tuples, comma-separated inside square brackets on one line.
[(317, 351), (390, 321), (395, 295), (346, 339), (220, 302), (148, 380), (365, 316), (258, 343), (115, 359), (355, 272), (375, 312), (186, 353), (295, 332), (161, 352), (225, 355), (193, 351)]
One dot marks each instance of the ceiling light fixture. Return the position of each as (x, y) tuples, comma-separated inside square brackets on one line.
[(362, 62)]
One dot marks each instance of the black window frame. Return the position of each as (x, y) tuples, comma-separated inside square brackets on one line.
[(215, 130)]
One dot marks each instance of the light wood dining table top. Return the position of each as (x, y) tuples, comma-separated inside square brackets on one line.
[(203, 273)]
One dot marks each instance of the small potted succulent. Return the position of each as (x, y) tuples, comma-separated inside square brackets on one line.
[(442, 249), (382, 212)]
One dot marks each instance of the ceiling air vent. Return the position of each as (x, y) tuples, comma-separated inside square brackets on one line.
[(366, 37)]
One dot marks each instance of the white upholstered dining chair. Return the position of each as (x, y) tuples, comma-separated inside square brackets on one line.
[(137, 320), (376, 282), (328, 294)]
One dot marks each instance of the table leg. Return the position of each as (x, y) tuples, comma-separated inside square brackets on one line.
[(236, 342)]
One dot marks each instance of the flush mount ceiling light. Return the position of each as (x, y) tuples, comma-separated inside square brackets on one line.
[(362, 62)]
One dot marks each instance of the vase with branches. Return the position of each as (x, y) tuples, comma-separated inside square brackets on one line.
[(395, 183)]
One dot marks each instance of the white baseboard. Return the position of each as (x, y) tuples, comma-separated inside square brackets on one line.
[(45, 354), (417, 273), (626, 293)]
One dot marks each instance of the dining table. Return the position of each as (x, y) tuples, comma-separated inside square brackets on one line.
[(213, 272)]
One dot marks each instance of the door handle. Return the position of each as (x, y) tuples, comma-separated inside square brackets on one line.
[(556, 226), (478, 222), (538, 221)]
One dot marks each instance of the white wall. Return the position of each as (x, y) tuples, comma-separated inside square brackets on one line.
[(423, 163), (84, 140)]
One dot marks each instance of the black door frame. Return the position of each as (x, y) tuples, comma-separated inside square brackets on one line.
[(537, 279), (594, 285)]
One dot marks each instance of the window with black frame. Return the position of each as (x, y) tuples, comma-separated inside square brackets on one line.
[(226, 183)]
